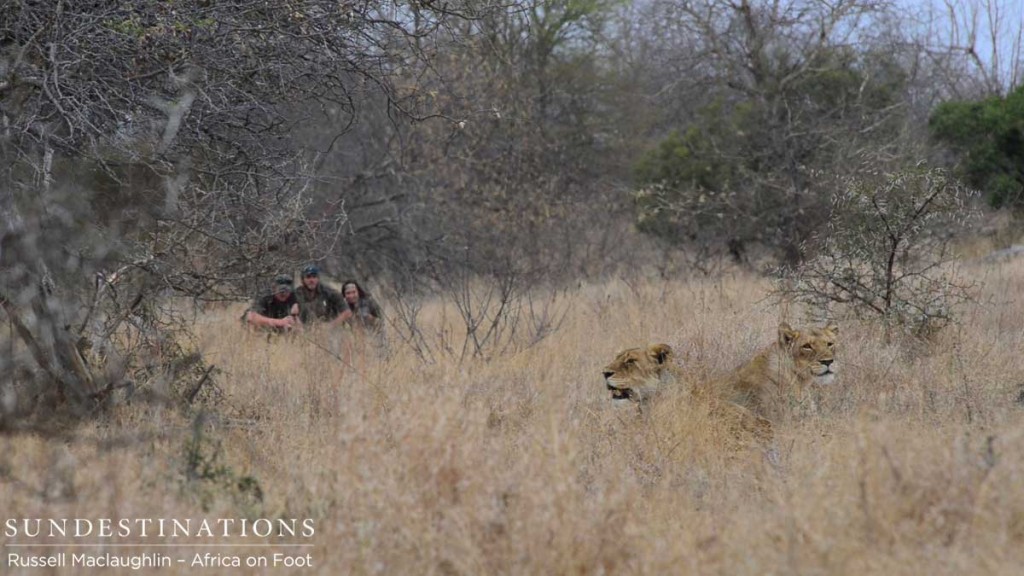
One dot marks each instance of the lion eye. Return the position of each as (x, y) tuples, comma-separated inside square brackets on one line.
[(830, 345), (808, 347), (630, 362)]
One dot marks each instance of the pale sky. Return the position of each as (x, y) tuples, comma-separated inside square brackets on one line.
[(992, 27)]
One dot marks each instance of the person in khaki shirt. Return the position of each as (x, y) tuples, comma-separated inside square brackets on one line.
[(318, 302)]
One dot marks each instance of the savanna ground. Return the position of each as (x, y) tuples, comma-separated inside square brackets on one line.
[(912, 463)]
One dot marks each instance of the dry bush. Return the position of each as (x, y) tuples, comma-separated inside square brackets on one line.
[(887, 252), (520, 464), (504, 311)]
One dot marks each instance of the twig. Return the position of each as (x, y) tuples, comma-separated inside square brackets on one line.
[(199, 386)]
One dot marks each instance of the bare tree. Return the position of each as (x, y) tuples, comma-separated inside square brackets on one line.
[(517, 164), (976, 46)]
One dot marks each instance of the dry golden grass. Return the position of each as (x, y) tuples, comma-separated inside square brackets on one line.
[(912, 463)]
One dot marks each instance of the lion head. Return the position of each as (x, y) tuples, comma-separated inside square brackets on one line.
[(636, 374), (780, 374), (812, 351)]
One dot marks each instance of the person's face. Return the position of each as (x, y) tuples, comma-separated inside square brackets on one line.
[(311, 281), (282, 295), (351, 293)]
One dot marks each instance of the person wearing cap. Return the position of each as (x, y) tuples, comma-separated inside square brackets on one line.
[(317, 302), (278, 310)]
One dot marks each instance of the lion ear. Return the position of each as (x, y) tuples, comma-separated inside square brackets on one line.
[(832, 327), (786, 334), (660, 353)]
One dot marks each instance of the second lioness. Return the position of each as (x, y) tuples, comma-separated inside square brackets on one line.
[(780, 374)]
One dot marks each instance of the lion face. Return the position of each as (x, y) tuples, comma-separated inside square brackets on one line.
[(636, 374), (812, 350)]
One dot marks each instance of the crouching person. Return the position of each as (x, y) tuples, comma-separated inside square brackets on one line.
[(366, 320), (277, 311), (363, 312), (317, 301)]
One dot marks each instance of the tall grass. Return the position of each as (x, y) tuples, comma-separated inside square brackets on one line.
[(912, 463)]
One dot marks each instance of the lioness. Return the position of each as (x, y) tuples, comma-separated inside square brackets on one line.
[(782, 371), (638, 374)]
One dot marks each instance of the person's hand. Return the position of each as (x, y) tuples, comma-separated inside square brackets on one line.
[(287, 322), (345, 316)]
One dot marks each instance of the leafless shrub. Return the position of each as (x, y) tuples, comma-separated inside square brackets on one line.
[(503, 311), (403, 319), (886, 252)]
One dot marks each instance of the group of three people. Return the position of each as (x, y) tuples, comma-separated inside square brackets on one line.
[(288, 307)]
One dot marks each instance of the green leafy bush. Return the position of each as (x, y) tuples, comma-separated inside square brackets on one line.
[(990, 136)]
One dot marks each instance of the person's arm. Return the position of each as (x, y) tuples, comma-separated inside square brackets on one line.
[(254, 318), (305, 311), (257, 315), (344, 317), (340, 307)]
